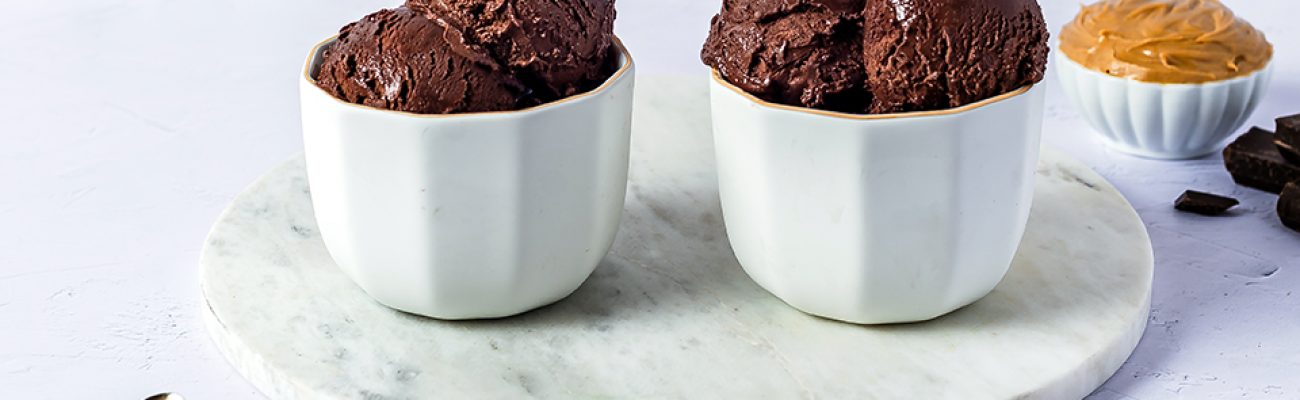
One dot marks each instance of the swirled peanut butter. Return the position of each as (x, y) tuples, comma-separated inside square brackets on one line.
[(1165, 41)]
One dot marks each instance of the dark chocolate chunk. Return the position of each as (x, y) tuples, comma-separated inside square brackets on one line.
[(1254, 160), (1289, 152), (1288, 206), (1288, 128), (1288, 137), (1204, 203)]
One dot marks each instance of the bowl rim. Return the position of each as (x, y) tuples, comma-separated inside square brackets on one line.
[(718, 79), (626, 65), (1065, 58)]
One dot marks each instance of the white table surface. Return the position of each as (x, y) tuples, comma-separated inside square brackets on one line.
[(127, 125)]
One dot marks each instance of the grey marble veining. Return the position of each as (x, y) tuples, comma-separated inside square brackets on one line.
[(669, 313)]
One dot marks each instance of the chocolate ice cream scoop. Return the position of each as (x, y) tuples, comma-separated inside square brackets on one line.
[(933, 54), (797, 52), (400, 60), (558, 47), (878, 56), (457, 56)]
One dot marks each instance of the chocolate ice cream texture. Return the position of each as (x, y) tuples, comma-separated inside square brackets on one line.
[(461, 56), (878, 56)]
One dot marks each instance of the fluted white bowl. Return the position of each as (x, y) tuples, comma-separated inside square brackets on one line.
[(876, 218), (1162, 121), (464, 216)]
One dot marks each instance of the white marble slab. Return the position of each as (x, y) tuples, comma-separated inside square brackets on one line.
[(669, 313)]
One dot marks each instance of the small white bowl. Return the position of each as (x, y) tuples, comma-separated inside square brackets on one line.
[(466, 216), (1162, 121), (876, 218)]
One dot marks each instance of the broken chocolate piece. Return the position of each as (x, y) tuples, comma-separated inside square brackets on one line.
[(1204, 203), (1288, 137), (1288, 206), (1254, 160), (1288, 127), (1289, 151)]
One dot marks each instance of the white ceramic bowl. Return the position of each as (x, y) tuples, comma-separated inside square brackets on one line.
[(469, 215), (1162, 121), (876, 218)]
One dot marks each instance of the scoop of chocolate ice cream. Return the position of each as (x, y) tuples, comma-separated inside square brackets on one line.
[(558, 47), (457, 56), (799, 52), (935, 54), (878, 56), (400, 60)]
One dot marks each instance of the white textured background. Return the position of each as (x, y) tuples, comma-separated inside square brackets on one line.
[(126, 125)]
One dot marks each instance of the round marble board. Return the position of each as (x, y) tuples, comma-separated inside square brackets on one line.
[(669, 313)]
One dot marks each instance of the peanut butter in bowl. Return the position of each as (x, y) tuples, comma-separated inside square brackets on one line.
[(1165, 41)]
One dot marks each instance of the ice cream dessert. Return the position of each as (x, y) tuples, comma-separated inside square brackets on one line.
[(435, 129), (458, 56), (1165, 41), (878, 56), (804, 52)]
